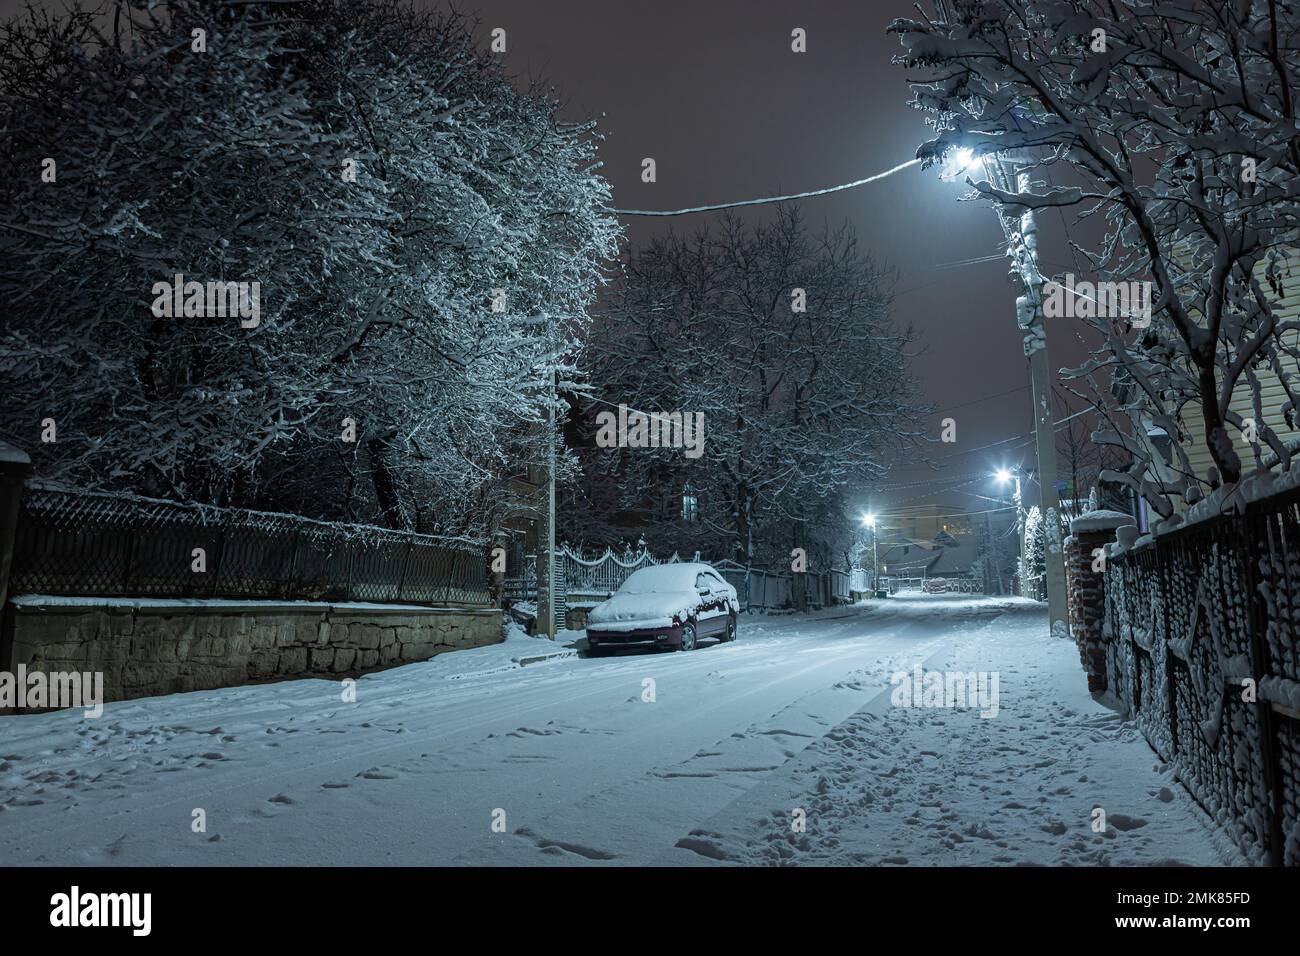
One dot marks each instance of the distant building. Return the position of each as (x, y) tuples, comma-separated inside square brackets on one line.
[(929, 559), (908, 558), (925, 522)]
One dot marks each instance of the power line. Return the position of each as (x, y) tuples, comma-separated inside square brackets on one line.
[(955, 514), (928, 481), (976, 401), (950, 489), (977, 260), (758, 202), (1028, 438)]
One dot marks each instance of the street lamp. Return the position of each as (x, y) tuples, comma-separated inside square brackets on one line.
[(1004, 475), (870, 522), (1008, 171), (958, 163)]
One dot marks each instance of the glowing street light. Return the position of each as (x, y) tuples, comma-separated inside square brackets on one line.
[(1004, 475), (869, 521), (959, 161)]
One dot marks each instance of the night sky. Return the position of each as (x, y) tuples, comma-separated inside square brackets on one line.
[(713, 92)]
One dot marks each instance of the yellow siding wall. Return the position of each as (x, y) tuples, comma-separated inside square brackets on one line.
[(1273, 397)]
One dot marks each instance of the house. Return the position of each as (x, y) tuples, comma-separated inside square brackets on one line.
[(908, 558), (945, 557), (955, 561), (1273, 399), (924, 522)]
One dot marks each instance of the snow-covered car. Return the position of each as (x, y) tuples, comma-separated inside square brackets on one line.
[(665, 605), (935, 586)]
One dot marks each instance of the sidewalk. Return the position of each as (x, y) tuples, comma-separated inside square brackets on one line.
[(894, 785)]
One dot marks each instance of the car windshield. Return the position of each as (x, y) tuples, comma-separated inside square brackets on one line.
[(661, 577)]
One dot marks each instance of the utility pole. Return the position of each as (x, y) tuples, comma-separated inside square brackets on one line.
[(548, 623), (1022, 241), (871, 521), (991, 563), (1020, 531), (875, 562)]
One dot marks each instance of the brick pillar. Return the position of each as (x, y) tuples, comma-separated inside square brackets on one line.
[(1086, 588)]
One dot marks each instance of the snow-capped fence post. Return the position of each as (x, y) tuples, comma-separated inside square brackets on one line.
[(15, 466), (1090, 533), (406, 561)]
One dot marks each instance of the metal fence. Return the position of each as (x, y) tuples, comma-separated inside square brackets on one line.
[(91, 544), (597, 577), (604, 574), (1200, 637), (954, 585), (583, 578), (766, 589), (775, 589)]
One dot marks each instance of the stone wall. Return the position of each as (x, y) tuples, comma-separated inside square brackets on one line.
[(150, 647)]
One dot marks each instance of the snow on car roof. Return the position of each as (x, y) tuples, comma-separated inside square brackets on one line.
[(664, 577)]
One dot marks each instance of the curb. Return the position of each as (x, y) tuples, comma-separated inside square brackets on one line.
[(538, 658)]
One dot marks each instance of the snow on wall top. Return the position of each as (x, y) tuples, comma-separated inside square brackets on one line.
[(1100, 520), (8, 453)]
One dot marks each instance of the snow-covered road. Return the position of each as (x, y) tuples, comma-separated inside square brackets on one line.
[(643, 758)]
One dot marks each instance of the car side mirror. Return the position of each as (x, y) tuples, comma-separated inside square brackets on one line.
[(703, 591)]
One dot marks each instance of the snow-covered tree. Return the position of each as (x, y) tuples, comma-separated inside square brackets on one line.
[(1084, 461), (426, 237), (1033, 565), (783, 340), (1168, 128)]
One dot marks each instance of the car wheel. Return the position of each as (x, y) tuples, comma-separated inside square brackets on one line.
[(729, 634), (688, 636)]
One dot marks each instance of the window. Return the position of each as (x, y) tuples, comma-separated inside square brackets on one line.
[(690, 505)]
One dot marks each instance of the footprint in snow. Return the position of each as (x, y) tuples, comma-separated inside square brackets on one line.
[(1123, 822)]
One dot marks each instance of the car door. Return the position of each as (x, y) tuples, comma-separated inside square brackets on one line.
[(720, 587), (712, 613)]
